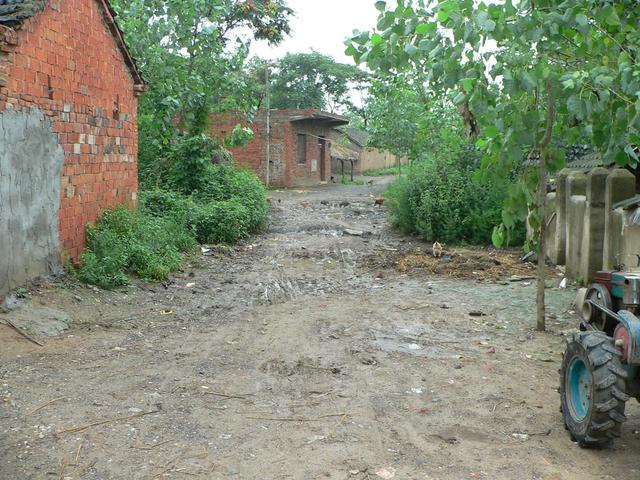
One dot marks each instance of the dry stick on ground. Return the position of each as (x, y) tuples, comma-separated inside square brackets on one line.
[(37, 409), (107, 420), (82, 471), (63, 466), (151, 447), (298, 419), (224, 395), (75, 462), (22, 332)]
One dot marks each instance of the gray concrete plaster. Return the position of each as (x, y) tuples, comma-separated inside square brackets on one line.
[(30, 180)]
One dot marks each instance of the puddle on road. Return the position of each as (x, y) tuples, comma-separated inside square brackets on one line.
[(420, 341)]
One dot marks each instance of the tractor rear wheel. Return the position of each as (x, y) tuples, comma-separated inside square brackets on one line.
[(592, 389)]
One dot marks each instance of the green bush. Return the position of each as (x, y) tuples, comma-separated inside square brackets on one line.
[(226, 221), (127, 242), (229, 205), (440, 200), (221, 183), (208, 204)]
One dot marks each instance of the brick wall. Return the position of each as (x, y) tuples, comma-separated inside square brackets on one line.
[(66, 62), (284, 169)]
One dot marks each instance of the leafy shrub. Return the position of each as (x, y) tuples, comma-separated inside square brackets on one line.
[(229, 205), (125, 241), (226, 221), (190, 161), (440, 200), (209, 204), (223, 182)]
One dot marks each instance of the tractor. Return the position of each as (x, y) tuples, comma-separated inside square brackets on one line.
[(601, 365)]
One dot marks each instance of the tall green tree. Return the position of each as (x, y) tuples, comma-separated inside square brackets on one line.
[(194, 62), (405, 118), (314, 80), (523, 74)]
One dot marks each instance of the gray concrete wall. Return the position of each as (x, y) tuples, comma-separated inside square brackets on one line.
[(30, 178), (575, 200), (557, 254), (576, 207), (621, 185), (594, 221), (551, 219)]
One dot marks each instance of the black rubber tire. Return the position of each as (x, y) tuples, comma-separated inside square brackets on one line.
[(605, 414)]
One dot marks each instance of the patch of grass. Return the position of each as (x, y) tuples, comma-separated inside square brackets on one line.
[(380, 172), (347, 181)]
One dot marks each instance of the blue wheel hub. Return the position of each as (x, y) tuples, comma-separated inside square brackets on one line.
[(579, 389)]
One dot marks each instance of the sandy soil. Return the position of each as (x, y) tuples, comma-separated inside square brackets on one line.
[(304, 353)]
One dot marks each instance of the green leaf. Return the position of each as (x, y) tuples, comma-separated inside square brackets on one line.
[(443, 16), (422, 28), (484, 21), (582, 20), (381, 5), (612, 18), (376, 39), (410, 49), (350, 51), (498, 236), (491, 131), (468, 83), (459, 98), (528, 82)]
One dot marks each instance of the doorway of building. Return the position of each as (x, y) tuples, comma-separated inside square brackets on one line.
[(323, 160)]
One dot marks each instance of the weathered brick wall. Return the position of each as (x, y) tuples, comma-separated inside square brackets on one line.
[(66, 63), (284, 171)]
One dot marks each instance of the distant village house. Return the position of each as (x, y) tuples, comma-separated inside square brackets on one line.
[(354, 140), (298, 149)]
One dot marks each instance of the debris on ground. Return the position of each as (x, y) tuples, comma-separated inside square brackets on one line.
[(464, 262)]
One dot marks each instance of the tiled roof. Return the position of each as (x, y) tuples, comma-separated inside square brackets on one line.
[(14, 12), (343, 153), (589, 162), (358, 136)]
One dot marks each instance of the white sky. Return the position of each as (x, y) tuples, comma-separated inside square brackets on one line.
[(322, 25)]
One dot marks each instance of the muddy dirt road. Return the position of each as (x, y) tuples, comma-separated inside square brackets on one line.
[(304, 354)]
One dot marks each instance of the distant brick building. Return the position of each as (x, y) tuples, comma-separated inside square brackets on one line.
[(68, 129), (299, 144)]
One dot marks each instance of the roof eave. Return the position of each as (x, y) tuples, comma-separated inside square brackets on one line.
[(140, 85)]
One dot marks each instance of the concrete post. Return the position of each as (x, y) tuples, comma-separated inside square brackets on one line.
[(552, 224), (593, 234), (621, 185), (576, 186), (560, 237)]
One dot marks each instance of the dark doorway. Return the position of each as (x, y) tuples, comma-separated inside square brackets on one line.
[(323, 160)]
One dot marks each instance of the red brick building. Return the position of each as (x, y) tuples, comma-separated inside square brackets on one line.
[(68, 124), (299, 144)]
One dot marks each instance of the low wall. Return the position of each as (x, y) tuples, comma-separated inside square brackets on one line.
[(584, 230), (372, 159)]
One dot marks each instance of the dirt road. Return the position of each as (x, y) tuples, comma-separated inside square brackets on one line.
[(305, 353)]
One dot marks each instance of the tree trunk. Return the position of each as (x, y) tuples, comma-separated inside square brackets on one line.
[(542, 203)]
